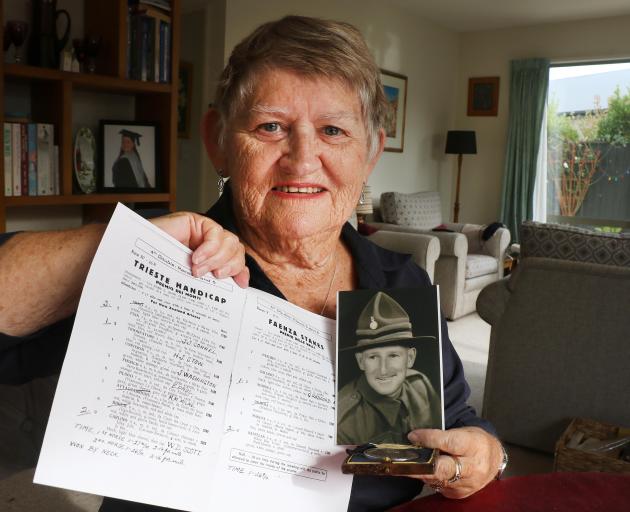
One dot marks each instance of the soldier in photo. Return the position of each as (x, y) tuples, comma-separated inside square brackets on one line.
[(389, 399)]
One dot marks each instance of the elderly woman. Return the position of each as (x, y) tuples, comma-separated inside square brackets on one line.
[(297, 129)]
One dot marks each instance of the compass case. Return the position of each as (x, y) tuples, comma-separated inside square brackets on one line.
[(390, 459)]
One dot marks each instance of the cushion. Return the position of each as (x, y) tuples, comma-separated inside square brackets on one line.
[(444, 228), (480, 265), (574, 244), (422, 210)]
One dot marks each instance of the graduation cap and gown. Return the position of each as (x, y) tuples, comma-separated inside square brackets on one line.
[(127, 169)]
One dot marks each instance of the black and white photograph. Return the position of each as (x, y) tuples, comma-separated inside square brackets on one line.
[(129, 157), (389, 368)]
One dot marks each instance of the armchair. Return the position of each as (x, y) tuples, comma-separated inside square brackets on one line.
[(466, 263), (559, 338), (423, 248)]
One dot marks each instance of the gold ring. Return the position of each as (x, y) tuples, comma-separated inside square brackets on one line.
[(458, 470)]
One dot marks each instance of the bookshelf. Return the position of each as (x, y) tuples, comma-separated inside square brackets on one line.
[(51, 101)]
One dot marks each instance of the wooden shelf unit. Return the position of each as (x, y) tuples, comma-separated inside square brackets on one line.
[(85, 81), (51, 93), (80, 199)]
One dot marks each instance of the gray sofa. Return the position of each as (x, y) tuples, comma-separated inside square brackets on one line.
[(560, 338), (466, 264)]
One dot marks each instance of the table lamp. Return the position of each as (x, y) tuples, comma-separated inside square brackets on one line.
[(364, 206), (460, 142)]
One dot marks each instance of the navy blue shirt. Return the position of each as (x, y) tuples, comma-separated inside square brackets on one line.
[(41, 354)]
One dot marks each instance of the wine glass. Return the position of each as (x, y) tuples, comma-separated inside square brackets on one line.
[(92, 45), (17, 31)]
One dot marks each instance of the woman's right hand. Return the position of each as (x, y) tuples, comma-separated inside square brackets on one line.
[(215, 249)]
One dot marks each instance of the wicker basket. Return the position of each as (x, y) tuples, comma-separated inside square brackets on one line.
[(570, 459)]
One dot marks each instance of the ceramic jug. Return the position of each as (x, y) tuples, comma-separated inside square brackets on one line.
[(44, 45)]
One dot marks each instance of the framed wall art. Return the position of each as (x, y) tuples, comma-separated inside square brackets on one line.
[(395, 87), (483, 96), (128, 157)]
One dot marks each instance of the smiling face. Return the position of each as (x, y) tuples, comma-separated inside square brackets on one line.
[(126, 144), (386, 367), (296, 155)]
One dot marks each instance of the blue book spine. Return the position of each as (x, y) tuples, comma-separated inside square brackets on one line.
[(150, 49), (162, 53), (145, 53), (136, 51), (167, 51), (129, 40)]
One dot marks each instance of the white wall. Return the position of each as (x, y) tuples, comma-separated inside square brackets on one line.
[(189, 150), (489, 53), (401, 42), (203, 36), (215, 49)]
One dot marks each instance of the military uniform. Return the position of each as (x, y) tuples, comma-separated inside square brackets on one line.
[(365, 416)]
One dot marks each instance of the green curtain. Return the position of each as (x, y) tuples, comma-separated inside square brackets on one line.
[(529, 81)]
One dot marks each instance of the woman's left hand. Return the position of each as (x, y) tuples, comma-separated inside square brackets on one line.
[(479, 454)]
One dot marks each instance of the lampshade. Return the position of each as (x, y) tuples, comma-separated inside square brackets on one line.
[(365, 208), (461, 142)]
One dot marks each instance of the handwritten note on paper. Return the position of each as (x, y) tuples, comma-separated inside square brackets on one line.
[(151, 369), (142, 393), (280, 438)]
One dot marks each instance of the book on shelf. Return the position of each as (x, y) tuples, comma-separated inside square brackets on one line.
[(165, 43), (8, 160), (24, 159), (148, 43), (16, 141), (129, 41), (196, 387), (28, 160), (32, 159), (143, 39), (55, 169), (45, 137), (151, 47)]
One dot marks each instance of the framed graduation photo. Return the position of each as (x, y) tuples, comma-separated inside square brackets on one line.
[(128, 157)]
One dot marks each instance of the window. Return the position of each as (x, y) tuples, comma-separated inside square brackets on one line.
[(588, 145)]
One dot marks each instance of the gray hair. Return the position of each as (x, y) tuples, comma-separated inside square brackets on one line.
[(312, 47)]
